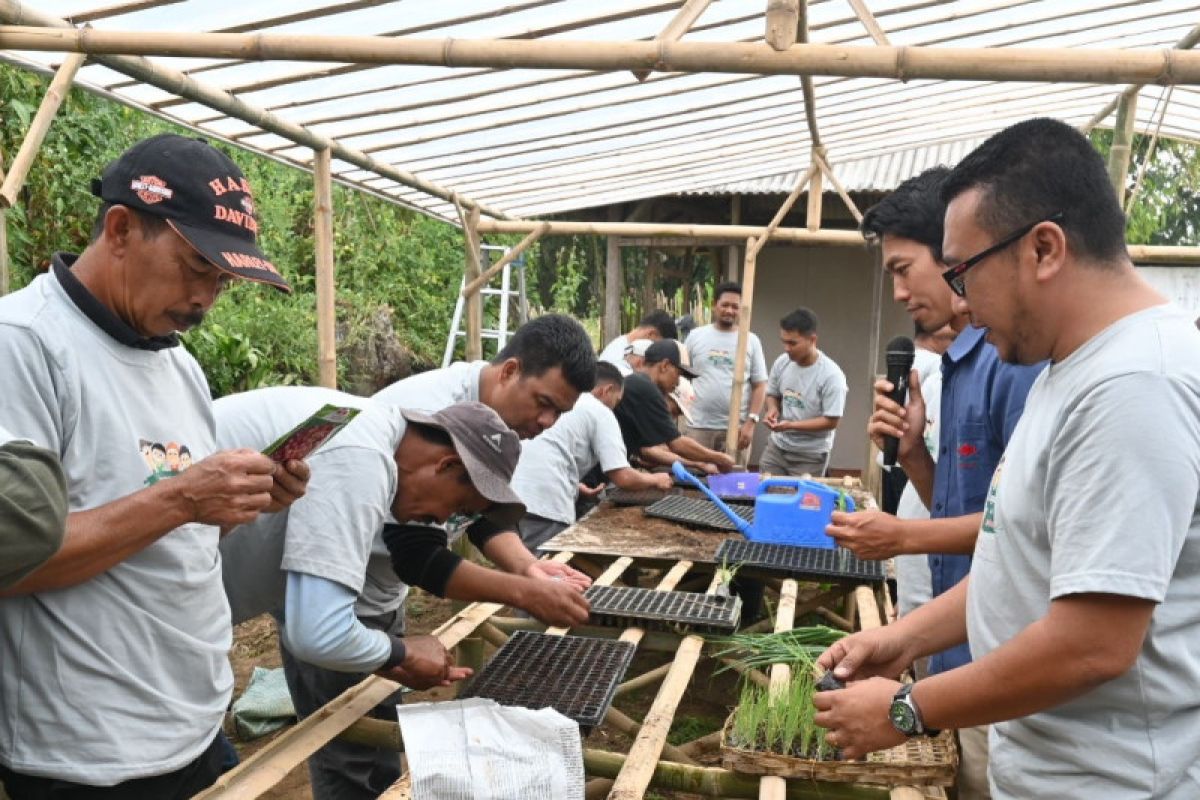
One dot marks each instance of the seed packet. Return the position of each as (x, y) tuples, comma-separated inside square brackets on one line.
[(300, 442)]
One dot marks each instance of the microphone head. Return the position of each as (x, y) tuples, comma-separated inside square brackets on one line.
[(900, 352)]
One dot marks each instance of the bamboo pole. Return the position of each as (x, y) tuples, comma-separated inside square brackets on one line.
[(1190, 40), (612, 282), (119, 9), (177, 83), (869, 22), (4, 263), (38, 127), (505, 260), (724, 233), (1059, 65), (815, 193), (837, 185), (749, 266), (783, 18), (471, 272), (648, 678), (326, 292), (1122, 145), (680, 24), (635, 777), (771, 787)]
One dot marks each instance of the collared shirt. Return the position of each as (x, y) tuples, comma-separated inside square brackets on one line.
[(101, 315), (982, 400)]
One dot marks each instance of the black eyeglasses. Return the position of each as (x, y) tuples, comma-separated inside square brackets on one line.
[(956, 275)]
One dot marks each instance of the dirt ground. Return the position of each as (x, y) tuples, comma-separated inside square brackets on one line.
[(702, 711)]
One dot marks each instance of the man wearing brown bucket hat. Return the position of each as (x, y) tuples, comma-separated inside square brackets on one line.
[(122, 636), (315, 564)]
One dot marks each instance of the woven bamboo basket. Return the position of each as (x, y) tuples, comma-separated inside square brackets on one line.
[(920, 761)]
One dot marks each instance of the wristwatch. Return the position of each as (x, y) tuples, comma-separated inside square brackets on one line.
[(905, 715), (753, 418)]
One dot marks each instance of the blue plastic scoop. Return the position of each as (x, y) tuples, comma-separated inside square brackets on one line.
[(681, 474)]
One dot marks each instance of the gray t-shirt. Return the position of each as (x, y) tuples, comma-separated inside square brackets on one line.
[(251, 554), (551, 465), (1099, 491), (712, 352), (127, 674), (429, 392), (818, 390)]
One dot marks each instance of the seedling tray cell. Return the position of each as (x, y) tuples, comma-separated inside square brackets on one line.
[(575, 675), (696, 511), (805, 563), (626, 607)]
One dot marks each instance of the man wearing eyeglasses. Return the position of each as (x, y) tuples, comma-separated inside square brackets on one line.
[(981, 401), (1080, 608)]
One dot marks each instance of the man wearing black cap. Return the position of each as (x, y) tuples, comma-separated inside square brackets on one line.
[(646, 425), (121, 639)]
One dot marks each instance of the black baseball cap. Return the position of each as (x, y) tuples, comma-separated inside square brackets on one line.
[(201, 194), (668, 350), (489, 450)]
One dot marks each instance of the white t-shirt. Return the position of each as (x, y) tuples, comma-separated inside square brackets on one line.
[(614, 353), (125, 675), (711, 352), (914, 586), (251, 554), (1099, 491), (818, 390), (551, 465)]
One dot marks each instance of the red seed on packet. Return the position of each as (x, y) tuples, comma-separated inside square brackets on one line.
[(300, 442)]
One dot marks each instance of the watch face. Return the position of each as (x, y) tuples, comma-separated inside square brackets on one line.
[(903, 718)]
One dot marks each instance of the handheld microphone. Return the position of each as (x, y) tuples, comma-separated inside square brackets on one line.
[(899, 364)]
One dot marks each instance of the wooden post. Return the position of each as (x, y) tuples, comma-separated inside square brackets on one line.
[(474, 315), (732, 256), (873, 347), (326, 291), (4, 269), (1122, 144), (743, 343), (783, 17), (771, 787), (612, 282), (19, 170), (815, 197)]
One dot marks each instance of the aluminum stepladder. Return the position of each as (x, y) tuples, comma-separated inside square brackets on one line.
[(505, 293)]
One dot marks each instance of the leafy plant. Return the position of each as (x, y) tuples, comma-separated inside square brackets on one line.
[(798, 647)]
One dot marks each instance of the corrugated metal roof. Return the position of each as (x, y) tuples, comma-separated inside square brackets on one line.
[(532, 142), (880, 173)]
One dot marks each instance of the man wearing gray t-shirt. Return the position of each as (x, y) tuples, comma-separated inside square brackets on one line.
[(1080, 604), (115, 675), (806, 395), (712, 349), (551, 465)]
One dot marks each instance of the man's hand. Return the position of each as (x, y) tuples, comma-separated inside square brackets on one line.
[(427, 663), (291, 481), (771, 418), (745, 434), (906, 423), (857, 717), (228, 488), (724, 462), (555, 602), (586, 491), (708, 468), (867, 654), (554, 571), (869, 534), (662, 481)]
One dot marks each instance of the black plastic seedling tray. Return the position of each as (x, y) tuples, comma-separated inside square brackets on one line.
[(627, 607), (636, 497), (805, 563), (575, 675), (697, 511)]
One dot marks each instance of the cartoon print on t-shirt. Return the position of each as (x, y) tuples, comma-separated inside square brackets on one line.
[(720, 358), (989, 507), (793, 400), (164, 460)]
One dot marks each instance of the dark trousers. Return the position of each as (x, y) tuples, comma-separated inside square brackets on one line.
[(341, 770), (179, 785)]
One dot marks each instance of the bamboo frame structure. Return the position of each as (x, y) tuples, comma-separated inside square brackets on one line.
[(683, 20), (1122, 144), (898, 63), (715, 233), (38, 127), (323, 240), (513, 253)]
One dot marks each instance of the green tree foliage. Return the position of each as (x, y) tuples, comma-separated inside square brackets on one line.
[(1166, 208), (385, 255)]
